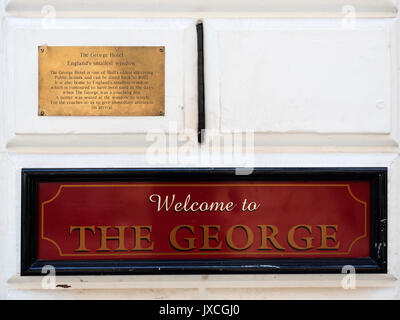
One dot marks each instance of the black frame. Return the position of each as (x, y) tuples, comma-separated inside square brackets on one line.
[(376, 263)]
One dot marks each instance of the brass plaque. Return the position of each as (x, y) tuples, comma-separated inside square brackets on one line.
[(101, 81)]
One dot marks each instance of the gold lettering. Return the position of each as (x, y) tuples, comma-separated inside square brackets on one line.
[(271, 238), (174, 243), (82, 242), (308, 240), (207, 237), (325, 237), (104, 238), (139, 237), (249, 236)]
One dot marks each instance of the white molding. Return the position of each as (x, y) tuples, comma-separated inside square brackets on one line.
[(139, 143), (204, 281), (205, 8)]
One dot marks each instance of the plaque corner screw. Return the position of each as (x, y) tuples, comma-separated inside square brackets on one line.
[(161, 113), (41, 113), (161, 49), (41, 50)]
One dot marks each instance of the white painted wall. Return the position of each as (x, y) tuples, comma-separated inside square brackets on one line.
[(335, 78), (316, 89)]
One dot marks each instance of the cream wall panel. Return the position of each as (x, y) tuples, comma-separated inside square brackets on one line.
[(301, 76)]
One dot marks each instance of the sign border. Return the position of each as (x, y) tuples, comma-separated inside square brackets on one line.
[(31, 265)]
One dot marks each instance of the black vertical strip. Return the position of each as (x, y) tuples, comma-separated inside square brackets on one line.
[(29, 221), (200, 83), (378, 219)]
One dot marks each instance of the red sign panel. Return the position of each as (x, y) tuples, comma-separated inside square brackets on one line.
[(203, 220)]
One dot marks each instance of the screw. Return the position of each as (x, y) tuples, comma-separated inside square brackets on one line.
[(41, 50), (161, 49), (42, 113), (161, 113)]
